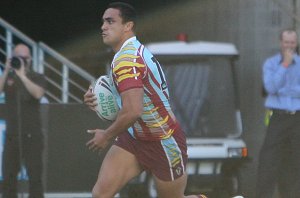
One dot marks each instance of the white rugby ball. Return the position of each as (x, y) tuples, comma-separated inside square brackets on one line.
[(107, 108)]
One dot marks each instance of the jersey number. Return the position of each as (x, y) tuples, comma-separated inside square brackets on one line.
[(163, 84)]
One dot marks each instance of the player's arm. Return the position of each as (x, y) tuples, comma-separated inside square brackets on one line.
[(132, 108)]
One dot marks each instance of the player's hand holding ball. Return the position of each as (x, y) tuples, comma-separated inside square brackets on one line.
[(90, 99), (100, 99), (104, 103)]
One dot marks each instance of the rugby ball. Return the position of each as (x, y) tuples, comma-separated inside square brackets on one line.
[(107, 107)]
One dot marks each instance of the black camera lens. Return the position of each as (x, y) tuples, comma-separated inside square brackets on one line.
[(16, 62)]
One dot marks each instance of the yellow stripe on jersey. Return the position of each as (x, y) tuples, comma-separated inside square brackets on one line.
[(166, 136), (127, 64), (151, 110), (129, 48), (126, 76), (147, 104), (125, 56), (160, 123), (124, 71), (176, 161)]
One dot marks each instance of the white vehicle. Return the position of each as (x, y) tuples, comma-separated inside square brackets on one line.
[(202, 81)]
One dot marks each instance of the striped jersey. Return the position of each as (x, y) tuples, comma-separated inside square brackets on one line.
[(134, 66)]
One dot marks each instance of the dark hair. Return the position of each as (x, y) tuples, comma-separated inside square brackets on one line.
[(127, 12)]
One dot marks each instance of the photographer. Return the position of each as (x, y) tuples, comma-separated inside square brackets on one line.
[(23, 89)]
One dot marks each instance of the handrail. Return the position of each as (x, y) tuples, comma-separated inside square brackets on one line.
[(65, 61), (16, 32), (9, 42), (66, 66), (61, 82)]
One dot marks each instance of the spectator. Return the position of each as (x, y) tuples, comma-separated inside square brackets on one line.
[(281, 78), (23, 90)]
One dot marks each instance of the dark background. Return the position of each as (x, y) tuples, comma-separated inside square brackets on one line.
[(55, 21)]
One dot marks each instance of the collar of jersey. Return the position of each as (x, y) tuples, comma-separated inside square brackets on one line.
[(126, 42)]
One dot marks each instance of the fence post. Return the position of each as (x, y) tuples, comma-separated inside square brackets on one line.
[(65, 85), (9, 43), (40, 61), (35, 62)]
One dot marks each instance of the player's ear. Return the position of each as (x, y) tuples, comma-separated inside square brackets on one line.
[(129, 26)]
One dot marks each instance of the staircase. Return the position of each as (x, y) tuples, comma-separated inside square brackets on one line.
[(67, 82)]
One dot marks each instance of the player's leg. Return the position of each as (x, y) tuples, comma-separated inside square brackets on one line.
[(118, 167), (174, 189), (167, 161)]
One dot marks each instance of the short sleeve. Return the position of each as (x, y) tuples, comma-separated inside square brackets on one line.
[(128, 72)]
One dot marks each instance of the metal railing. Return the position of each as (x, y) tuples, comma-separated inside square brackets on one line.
[(8, 38), (67, 82)]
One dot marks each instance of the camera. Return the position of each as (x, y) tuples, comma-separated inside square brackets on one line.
[(16, 62)]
